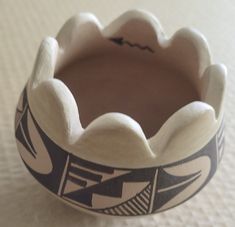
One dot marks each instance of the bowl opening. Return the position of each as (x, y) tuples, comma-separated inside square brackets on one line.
[(147, 89)]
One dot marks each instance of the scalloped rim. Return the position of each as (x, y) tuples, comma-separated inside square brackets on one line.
[(154, 152)]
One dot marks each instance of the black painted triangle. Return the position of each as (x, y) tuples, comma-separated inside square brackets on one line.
[(162, 198), (22, 138), (112, 187), (166, 180), (133, 206), (81, 197)]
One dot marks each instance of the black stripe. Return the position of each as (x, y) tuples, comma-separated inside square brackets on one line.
[(25, 126), (148, 189), (145, 195), (110, 211), (24, 97), (92, 166), (142, 197), (220, 131), (86, 174), (66, 175), (19, 135), (220, 139), (133, 207), (221, 144), (143, 202), (113, 211), (123, 210), (118, 211), (139, 205), (77, 181), (221, 154), (128, 209)]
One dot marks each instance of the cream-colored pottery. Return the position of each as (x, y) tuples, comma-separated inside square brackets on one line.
[(121, 120)]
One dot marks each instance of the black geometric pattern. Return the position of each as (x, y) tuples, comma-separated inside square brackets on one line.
[(169, 186), (166, 180), (220, 141), (52, 180), (104, 189), (104, 181), (137, 205)]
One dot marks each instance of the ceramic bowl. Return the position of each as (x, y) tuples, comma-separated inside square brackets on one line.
[(121, 120)]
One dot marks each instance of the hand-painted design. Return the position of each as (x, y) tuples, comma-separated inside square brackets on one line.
[(220, 142), (103, 187), (166, 180), (109, 190), (137, 205), (120, 41), (33, 151), (21, 107), (173, 186), (85, 175), (37, 151)]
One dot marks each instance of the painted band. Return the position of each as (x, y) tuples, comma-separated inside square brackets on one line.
[(108, 190)]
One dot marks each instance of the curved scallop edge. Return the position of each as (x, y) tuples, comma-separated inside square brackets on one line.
[(59, 115)]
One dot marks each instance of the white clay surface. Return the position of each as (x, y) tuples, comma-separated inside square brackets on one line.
[(22, 29), (151, 100)]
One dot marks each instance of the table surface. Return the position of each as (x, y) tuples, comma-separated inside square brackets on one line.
[(23, 24)]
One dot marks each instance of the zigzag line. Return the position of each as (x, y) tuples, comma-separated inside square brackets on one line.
[(138, 46)]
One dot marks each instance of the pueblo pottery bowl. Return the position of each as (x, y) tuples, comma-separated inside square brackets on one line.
[(121, 120)]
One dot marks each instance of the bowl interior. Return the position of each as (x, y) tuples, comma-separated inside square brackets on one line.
[(148, 90)]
